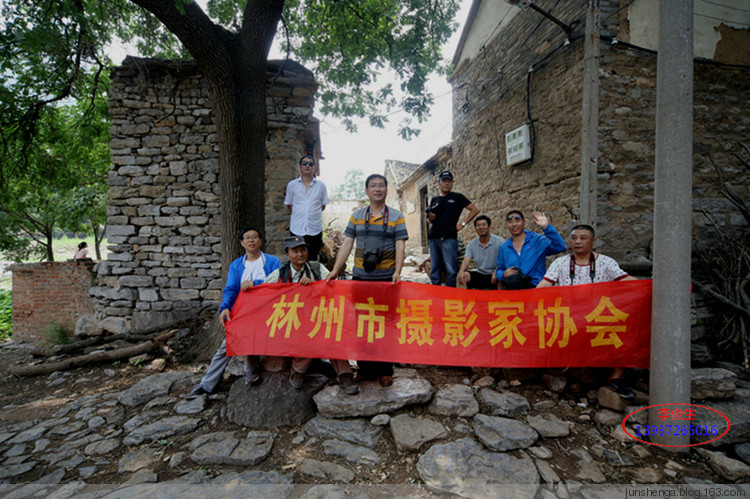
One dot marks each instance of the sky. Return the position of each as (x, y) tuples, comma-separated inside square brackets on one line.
[(370, 147)]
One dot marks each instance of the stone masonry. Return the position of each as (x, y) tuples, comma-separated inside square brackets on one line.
[(490, 99), (164, 212)]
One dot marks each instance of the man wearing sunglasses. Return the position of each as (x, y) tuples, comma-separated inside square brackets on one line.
[(306, 198), (521, 260)]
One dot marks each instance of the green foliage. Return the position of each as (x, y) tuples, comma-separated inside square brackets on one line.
[(6, 322), (64, 182), (51, 53), (48, 54), (137, 361), (353, 186), (58, 335), (350, 43)]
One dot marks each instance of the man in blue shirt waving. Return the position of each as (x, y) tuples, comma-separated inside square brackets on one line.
[(521, 259)]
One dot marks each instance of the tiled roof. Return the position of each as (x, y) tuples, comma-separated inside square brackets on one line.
[(399, 170)]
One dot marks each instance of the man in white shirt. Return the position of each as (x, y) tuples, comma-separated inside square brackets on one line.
[(584, 266), (483, 252), (306, 198)]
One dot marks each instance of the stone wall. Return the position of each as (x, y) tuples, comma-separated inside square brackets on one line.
[(164, 213), (49, 294), (490, 100), (406, 197)]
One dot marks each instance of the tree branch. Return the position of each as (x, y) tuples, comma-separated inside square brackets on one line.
[(708, 289)]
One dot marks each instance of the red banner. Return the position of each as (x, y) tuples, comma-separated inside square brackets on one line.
[(594, 325)]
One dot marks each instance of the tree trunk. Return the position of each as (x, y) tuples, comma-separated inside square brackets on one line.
[(98, 237), (48, 246), (235, 67)]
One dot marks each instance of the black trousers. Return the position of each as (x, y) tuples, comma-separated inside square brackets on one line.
[(370, 368), (480, 281), (314, 243)]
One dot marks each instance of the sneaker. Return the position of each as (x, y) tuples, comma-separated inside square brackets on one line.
[(386, 380), (297, 380), (197, 391), (252, 377), (346, 382), (622, 388)]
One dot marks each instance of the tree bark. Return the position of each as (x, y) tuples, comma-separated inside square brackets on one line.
[(235, 67)]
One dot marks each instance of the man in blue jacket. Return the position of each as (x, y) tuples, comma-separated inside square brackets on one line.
[(521, 260), (247, 271)]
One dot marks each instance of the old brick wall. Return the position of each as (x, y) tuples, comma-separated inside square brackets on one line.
[(406, 197), (627, 132), (49, 294), (164, 212), (489, 96), (489, 100)]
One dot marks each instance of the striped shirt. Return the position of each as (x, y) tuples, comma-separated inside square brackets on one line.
[(370, 236)]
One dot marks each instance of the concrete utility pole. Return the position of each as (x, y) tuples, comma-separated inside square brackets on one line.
[(670, 319), (590, 116)]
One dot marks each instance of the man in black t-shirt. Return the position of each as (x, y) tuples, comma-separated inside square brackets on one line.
[(443, 213)]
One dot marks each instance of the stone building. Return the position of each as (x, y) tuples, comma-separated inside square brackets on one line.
[(163, 226), (410, 188), (592, 106)]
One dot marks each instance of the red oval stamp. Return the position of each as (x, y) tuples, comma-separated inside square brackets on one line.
[(681, 412)]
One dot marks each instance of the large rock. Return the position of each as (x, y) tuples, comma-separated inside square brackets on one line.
[(610, 399), (328, 471), (176, 425), (28, 435), (467, 469), (101, 447), (503, 434), (373, 399), (586, 469), (735, 410), (712, 383), (506, 404), (137, 460), (274, 402), (88, 325), (223, 448), (743, 451), (350, 452), (555, 383), (454, 400), (608, 417), (549, 425), (728, 468), (356, 431), (151, 387), (191, 406), (410, 433)]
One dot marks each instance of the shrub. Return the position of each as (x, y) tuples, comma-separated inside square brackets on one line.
[(6, 323), (58, 335)]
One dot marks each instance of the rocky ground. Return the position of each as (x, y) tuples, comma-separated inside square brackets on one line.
[(440, 427), (437, 429)]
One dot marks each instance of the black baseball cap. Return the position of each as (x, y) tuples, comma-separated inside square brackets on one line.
[(294, 242), (445, 175)]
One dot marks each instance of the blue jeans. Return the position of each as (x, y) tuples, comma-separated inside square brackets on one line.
[(444, 256)]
